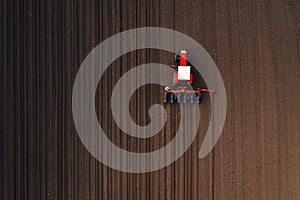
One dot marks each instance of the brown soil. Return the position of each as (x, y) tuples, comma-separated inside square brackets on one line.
[(256, 46)]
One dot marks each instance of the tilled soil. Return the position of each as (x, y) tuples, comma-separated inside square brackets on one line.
[(256, 46)]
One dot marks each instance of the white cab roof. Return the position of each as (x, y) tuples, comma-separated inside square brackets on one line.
[(184, 72)]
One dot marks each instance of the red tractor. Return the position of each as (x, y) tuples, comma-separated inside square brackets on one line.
[(182, 78), (183, 69)]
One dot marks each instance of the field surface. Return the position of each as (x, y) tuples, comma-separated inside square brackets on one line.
[(256, 46)]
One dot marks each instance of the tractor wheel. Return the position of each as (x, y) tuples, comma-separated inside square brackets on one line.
[(177, 59), (189, 58)]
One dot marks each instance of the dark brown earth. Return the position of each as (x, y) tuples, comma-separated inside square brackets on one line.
[(256, 46)]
